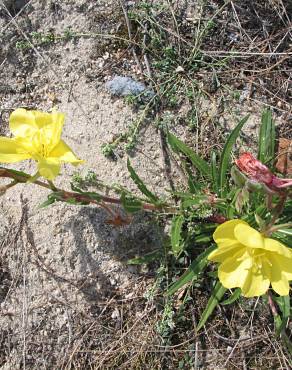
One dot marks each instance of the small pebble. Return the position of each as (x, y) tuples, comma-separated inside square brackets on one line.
[(126, 86)]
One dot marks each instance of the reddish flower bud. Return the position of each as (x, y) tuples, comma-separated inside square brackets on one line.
[(260, 173), (217, 218)]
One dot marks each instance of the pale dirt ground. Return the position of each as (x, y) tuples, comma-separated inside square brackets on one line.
[(66, 261), (75, 243)]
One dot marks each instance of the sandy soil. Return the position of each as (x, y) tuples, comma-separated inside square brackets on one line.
[(62, 253), (62, 263)]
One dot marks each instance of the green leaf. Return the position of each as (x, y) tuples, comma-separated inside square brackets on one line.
[(192, 273), (225, 158), (194, 186), (203, 239), (284, 305), (130, 205), (75, 202), (90, 194), (147, 258), (200, 164), (52, 198), (278, 324), (234, 297), (242, 199), (214, 170), (48, 202), (194, 201), (282, 238), (281, 322), (266, 137), (176, 228), (140, 184), (58, 196), (238, 177), (285, 231), (214, 300)]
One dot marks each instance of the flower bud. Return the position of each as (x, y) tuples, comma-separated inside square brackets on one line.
[(258, 172)]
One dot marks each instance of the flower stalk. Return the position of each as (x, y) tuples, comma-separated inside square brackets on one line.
[(65, 195)]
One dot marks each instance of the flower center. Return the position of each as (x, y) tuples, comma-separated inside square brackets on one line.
[(41, 144), (257, 256)]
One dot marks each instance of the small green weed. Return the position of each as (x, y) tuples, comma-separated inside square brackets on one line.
[(175, 58), (42, 39)]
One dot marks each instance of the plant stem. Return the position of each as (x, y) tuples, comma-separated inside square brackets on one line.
[(6, 187), (280, 226), (272, 304), (21, 177), (52, 185), (277, 212)]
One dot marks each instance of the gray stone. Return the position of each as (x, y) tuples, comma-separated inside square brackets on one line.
[(126, 86)]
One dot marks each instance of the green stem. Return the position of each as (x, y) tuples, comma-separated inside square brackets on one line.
[(52, 185)]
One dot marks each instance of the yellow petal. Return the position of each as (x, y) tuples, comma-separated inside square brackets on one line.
[(52, 130), (49, 168), (281, 286), (25, 123), (221, 254), (63, 152), (11, 151), (281, 272), (276, 246), (22, 123), (256, 284), (224, 234), (267, 267), (233, 272), (281, 265), (248, 236)]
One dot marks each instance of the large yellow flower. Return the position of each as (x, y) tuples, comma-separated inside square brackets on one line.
[(37, 135), (250, 261)]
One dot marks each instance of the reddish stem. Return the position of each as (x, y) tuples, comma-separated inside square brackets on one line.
[(22, 178), (272, 304)]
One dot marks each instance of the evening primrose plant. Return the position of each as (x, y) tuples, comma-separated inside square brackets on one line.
[(232, 222)]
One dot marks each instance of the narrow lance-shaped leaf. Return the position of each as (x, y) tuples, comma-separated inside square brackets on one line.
[(280, 323), (51, 199), (214, 170), (147, 258), (214, 300), (192, 273), (130, 205), (283, 238), (176, 228), (234, 297), (225, 158), (284, 305), (266, 137), (285, 231), (140, 184), (200, 164)]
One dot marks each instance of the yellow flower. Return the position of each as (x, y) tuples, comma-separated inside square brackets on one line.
[(250, 261), (37, 135)]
